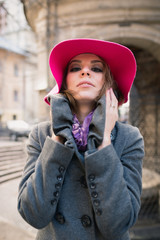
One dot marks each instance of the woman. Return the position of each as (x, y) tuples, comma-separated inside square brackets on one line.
[(82, 179)]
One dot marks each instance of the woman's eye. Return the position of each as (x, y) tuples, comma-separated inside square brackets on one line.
[(97, 69), (75, 69)]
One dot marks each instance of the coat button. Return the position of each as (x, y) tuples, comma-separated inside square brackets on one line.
[(91, 177), (98, 211), (58, 186), (83, 182), (86, 221), (56, 194), (59, 178), (94, 194), (53, 201), (92, 185), (96, 202), (60, 218), (61, 169)]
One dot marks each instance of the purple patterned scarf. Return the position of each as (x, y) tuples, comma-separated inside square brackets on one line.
[(80, 132)]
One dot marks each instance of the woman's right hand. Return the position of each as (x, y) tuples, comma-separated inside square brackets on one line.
[(57, 138), (111, 117)]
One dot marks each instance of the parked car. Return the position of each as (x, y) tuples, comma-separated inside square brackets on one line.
[(18, 128)]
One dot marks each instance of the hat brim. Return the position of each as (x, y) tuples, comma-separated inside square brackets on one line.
[(119, 58)]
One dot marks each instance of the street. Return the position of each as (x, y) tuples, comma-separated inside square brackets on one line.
[(12, 160), (12, 226)]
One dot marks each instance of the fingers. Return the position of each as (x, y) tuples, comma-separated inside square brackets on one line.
[(58, 138), (111, 99), (111, 113)]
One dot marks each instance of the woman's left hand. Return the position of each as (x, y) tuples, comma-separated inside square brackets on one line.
[(111, 117)]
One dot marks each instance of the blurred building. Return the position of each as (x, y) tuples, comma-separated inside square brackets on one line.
[(17, 64), (11, 81)]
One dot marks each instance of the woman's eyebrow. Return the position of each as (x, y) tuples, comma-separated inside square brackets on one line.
[(96, 61), (78, 61)]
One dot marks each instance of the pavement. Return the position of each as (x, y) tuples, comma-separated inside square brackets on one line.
[(12, 226)]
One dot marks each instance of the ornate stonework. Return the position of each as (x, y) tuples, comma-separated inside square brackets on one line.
[(135, 23)]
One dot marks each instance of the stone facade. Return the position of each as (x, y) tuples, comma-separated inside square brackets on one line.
[(17, 94), (135, 24), (11, 85), (17, 53)]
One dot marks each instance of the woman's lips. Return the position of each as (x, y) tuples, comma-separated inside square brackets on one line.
[(85, 84)]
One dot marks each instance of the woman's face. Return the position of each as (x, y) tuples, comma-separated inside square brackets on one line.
[(85, 77)]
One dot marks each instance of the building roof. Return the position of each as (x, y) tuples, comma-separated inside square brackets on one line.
[(9, 46)]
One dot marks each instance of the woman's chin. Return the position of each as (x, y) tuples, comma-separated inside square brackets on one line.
[(86, 99)]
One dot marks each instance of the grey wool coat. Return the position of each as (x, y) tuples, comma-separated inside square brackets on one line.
[(68, 195)]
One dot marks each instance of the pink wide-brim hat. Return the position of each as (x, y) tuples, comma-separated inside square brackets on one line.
[(119, 58)]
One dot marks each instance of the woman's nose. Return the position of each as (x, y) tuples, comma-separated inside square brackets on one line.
[(85, 72)]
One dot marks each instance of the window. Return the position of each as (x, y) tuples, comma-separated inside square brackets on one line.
[(1, 66), (15, 96), (16, 70), (0, 93), (14, 117)]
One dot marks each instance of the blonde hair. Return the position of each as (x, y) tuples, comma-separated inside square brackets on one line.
[(108, 83)]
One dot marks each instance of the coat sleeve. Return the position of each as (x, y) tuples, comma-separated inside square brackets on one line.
[(42, 179), (114, 184)]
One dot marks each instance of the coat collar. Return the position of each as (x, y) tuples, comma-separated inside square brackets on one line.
[(97, 125), (62, 120)]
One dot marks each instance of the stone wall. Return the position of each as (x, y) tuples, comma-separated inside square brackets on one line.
[(145, 106)]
